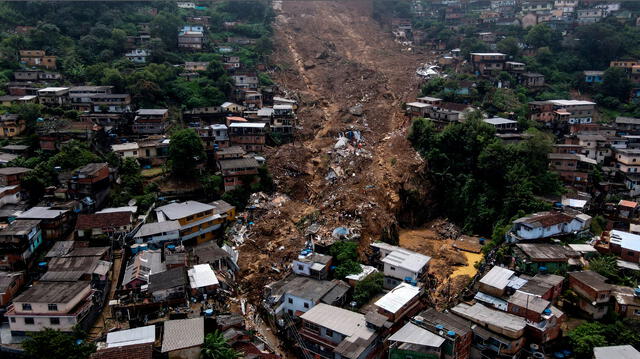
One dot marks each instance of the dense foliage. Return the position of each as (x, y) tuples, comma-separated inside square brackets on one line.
[(216, 347), (594, 334), (368, 288), (479, 179), (345, 258), (55, 344), (186, 151)]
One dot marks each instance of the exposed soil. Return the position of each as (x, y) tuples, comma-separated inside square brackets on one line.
[(333, 56)]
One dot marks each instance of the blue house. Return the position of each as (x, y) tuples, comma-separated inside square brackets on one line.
[(593, 77)]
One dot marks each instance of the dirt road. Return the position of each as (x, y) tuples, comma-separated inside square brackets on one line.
[(333, 56)]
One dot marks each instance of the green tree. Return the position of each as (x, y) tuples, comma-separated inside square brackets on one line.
[(587, 336), (216, 347), (165, 26), (368, 287), (55, 344), (542, 35), (509, 46), (185, 152), (616, 83)]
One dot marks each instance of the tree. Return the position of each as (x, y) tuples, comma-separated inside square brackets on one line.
[(542, 35), (216, 347), (55, 344), (165, 26), (368, 287), (509, 46), (185, 152), (605, 265), (587, 336), (345, 255), (616, 83)]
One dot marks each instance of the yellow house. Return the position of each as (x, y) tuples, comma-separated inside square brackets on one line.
[(11, 125), (198, 221), (224, 209)]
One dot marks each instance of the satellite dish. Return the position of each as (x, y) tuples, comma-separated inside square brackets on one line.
[(132, 202)]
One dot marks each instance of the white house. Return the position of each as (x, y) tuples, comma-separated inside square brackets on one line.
[(314, 265), (126, 149), (401, 264), (158, 232), (548, 224)]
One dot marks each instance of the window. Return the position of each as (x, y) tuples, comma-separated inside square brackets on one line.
[(392, 268), (26, 306), (300, 267), (29, 321), (328, 332), (312, 327), (13, 319), (630, 253), (53, 307), (306, 305), (290, 301), (54, 321)]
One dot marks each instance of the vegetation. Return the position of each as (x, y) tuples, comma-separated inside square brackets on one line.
[(55, 344), (185, 152), (216, 347), (594, 334), (368, 288), (485, 179), (345, 256)]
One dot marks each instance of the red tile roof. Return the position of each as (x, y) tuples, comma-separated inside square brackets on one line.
[(103, 220)]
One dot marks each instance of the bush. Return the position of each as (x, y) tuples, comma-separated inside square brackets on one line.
[(368, 288)]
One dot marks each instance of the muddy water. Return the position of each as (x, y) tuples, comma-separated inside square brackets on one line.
[(469, 269)]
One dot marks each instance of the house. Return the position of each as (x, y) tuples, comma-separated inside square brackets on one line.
[(151, 121), (566, 112), (202, 279), (353, 279), (191, 37), (543, 319), (55, 223), (616, 351), (589, 16), (455, 331), (627, 209), (531, 79), (399, 302), (593, 292), (496, 331), (53, 96), (532, 258), (35, 75), (224, 209), (593, 77), (627, 160), (498, 280), (214, 136), (484, 63), (312, 264), (236, 172), (196, 65), (125, 150), (625, 245), (158, 232), (183, 338), (169, 285), (10, 284), (573, 168), (548, 224), (9, 195), (294, 295), (415, 342), (628, 125), (332, 332), (11, 126), (197, 220), (400, 264), (210, 253), (231, 62), (91, 180), (417, 109), (93, 226), (11, 176), (245, 81), (37, 58), (138, 56), (502, 124), (626, 301), (249, 135), (109, 103), (140, 267), (73, 268), (545, 286), (18, 244), (57, 305)]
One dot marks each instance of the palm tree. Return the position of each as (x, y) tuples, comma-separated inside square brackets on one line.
[(216, 347)]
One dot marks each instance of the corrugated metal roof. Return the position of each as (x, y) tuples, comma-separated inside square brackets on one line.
[(497, 277), (345, 322), (398, 297), (182, 333), (131, 336), (616, 351), (407, 259), (413, 334)]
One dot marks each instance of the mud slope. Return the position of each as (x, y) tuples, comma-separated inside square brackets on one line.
[(332, 56)]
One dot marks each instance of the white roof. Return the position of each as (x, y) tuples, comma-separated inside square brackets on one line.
[(488, 53), (497, 277), (282, 99), (418, 104), (283, 107), (41, 213), (498, 121), (575, 203), (125, 147), (182, 333), (149, 229), (407, 259), (584, 248), (345, 322), (132, 209), (414, 334), (627, 265), (616, 351), (201, 275), (248, 124), (179, 210), (429, 98), (265, 111), (218, 127), (134, 336), (366, 270), (398, 297), (53, 89), (626, 240), (571, 102)]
